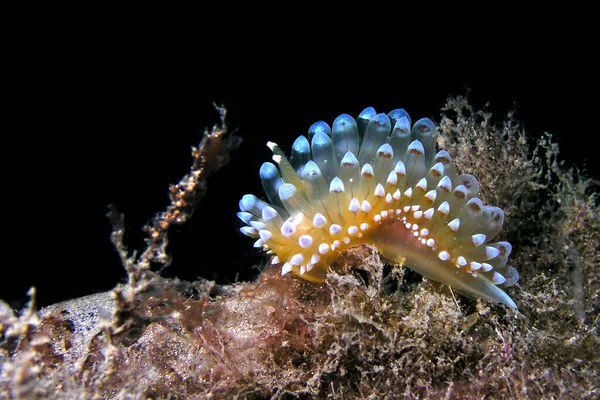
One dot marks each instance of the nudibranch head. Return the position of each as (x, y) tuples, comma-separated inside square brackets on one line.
[(378, 180)]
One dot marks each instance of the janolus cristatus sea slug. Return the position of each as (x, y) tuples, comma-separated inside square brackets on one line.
[(375, 180)]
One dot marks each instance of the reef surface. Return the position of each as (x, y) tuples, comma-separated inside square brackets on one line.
[(371, 330)]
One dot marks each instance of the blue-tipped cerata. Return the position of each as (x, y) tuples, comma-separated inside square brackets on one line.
[(377, 179)]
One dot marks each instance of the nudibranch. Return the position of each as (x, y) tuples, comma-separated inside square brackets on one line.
[(377, 180)]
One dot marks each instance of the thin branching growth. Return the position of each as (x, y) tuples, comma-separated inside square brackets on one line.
[(371, 331)]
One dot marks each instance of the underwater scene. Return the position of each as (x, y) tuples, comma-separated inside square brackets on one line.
[(258, 226)]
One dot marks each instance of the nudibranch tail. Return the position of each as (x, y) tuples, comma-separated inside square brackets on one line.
[(377, 179)]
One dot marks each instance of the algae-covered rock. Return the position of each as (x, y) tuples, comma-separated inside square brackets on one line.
[(372, 330)]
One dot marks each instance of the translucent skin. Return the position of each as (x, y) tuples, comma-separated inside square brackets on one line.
[(375, 180), (396, 244)]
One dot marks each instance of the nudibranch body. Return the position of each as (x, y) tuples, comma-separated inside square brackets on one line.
[(375, 180)]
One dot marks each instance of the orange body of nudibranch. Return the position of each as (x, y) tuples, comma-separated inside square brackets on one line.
[(378, 181)]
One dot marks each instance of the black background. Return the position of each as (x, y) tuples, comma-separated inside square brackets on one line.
[(108, 116)]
